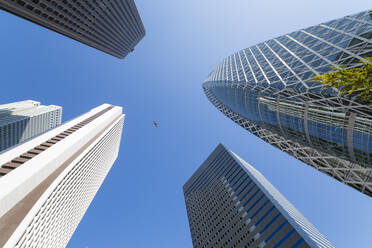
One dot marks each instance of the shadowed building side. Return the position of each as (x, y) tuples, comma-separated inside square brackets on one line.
[(20, 121), (230, 204), (114, 27)]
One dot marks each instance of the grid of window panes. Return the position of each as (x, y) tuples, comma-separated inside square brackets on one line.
[(114, 27), (349, 173), (16, 128), (226, 208), (270, 85), (291, 60)]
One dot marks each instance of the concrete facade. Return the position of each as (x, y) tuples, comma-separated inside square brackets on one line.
[(114, 27), (20, 121), (47, 183), (230, 204)]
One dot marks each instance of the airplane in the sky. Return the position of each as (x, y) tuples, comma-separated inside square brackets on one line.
[(156, 124)]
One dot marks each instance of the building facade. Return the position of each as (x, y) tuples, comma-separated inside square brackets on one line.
[(230, 204), (114, 27), (20, 121), (47, 183), (269, 90)]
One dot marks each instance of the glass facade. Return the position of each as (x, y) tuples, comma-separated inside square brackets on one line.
[(230, 204), (269, 89), (114, 27)]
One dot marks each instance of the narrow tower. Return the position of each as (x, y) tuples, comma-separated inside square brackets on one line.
[(114, 27), (20, 121), (47, 183), (231, 204), (268, 89)]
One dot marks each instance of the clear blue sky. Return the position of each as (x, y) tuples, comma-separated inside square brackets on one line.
[(141, 201)]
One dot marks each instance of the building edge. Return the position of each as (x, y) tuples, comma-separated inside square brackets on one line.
[(304, 227), (35, 209)]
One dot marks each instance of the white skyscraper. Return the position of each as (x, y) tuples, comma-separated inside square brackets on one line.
[(47, 183), (23, 120)]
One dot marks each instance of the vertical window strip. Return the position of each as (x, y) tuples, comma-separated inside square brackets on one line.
[(284, 238), (260, 209), (245, 188), (269, 224), (265, 215), (276, 231), (255, 203), (243, 181), (250, 198), (298, 243)]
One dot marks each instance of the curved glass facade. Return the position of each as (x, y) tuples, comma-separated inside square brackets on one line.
[(269, 86)]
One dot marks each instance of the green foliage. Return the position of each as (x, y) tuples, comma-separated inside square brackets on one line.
[(349, 81)]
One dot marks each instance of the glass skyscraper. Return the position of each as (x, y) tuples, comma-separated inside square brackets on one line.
[(269, 90), (114, 27), (230, 204)]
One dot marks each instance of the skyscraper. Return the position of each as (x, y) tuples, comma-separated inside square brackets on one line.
[(23, 120), (114, 27), (268, 90), (231, 204), (47, 183)]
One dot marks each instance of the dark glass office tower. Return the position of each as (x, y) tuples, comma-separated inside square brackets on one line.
[(113, 27), (231, 204), (268, 89)]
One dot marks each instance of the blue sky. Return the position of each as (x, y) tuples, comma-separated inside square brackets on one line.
[(141, 203)]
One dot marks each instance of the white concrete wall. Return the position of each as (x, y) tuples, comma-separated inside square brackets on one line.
[(18, 183), (58, 197)]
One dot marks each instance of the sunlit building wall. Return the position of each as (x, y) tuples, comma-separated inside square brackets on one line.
[(48, 182)]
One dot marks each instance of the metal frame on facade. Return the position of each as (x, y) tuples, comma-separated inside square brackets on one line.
[(344, 171), (283, 68)]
